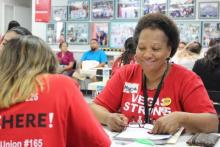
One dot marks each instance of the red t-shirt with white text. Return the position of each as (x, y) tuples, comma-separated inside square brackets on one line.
[(55, 117), (182, 90)]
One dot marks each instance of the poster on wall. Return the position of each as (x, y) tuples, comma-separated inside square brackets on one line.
[(189, 31), (182, 8), (59, 13), (209, 10), (55, 33), (78, 10), (100, 32), (77, 33), (128, 9), (102, 9), (119, 32), (211, 30), (152, 6), (42, 10)]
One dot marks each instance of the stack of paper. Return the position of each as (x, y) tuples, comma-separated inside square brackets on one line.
[(133, 133)]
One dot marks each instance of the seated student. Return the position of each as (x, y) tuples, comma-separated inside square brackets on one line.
[(156, 90), (127, 57), (208, 68), (11, 24), (97, 57), (40, 107), (66, 59), (187, 56), (14, 32)]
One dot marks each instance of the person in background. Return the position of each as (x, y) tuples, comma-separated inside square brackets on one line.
[(95, 56), (187, 56), (155, 90), (208, 68), (127, 57), (44, 106), (12, 33), (13, 24), (66, 59), (182, 45), (214, 41)]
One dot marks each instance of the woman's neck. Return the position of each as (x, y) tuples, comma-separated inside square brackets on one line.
[(154, 77)]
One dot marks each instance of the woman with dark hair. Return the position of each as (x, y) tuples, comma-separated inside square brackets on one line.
[(66, 59), (12, 33), (155, 90), (127, 57), (208, 68), (13, 24), (40, 107)]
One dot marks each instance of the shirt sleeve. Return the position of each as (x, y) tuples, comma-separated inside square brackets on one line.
[(103, 57), (195, 98), (83, 128), (111, 95), (83, 58)]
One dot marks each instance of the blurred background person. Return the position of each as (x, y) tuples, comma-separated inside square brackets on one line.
[(12, 33), (66, 59), (208, 68), (11, 24), (187, 56), (127, 57), (50, 107)]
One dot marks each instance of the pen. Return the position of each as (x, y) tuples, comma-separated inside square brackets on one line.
[(145, 141)]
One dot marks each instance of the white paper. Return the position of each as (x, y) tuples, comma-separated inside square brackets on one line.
[(134, 132)]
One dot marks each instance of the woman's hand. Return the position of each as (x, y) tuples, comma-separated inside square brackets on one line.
[(116, 122), (168, 124)]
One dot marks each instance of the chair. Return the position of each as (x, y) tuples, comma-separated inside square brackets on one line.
[(215, 97)]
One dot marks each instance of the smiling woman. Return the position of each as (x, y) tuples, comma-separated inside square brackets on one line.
[(149, 90)]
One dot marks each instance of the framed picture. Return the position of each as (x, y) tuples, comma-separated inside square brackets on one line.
[(209, 10), (151, 6), (77, 33), (210, 30), (102, 9), (189, 31), (55, 32), (100, 32), (182, 8), (119, 32), (78, 10), (128, 9), (59, 13)]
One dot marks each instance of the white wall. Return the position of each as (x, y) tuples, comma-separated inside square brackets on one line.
[(21, 12)]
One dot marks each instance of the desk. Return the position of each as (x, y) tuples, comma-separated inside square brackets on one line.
[(180, 143)]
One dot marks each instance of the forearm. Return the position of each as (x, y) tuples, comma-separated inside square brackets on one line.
[(100, 112), (101, 65), (199, 122), (69, 66)]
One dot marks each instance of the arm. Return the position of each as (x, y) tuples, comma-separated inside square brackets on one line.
[(115, 121), (192, 122), (101, 65), (69, 66)]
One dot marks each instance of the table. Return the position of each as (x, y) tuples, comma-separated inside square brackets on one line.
[(180, 143)]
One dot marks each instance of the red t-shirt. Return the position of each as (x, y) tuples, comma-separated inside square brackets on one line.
[(55, 117), (182, 90)]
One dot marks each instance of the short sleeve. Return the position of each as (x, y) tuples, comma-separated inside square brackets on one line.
[(103, 57)]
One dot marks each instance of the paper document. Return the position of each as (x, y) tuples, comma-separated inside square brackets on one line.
[(131, 133)]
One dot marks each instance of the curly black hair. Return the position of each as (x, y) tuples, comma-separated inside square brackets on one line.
[(162, 22), (212, 57)]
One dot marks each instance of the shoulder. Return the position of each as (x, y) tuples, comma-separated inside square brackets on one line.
[(61, 82), (182, 72)]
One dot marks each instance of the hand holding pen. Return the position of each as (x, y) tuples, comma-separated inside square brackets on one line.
[(117, 122)]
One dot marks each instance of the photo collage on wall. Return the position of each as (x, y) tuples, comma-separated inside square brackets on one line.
[(112, 21)]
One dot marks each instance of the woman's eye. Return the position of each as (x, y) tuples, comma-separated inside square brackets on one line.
[(155, 49)]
